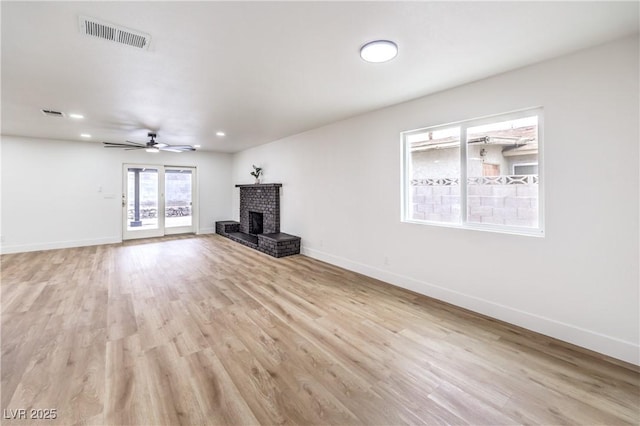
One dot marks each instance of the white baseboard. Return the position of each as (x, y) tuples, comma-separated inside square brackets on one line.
[(607, 345), (21, 248)]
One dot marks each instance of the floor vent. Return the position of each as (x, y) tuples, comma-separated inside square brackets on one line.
[(115, 33), (52, 113)]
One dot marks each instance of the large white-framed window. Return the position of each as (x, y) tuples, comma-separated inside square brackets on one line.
[(485, 174)]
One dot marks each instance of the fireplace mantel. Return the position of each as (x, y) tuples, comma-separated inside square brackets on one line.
[(254, 185)]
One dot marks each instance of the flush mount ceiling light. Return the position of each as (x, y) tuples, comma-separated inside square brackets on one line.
[(220, 133), (76, 116), (85, 135), (379, 51)]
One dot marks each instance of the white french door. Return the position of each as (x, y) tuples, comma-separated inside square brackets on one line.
[(158, 200)]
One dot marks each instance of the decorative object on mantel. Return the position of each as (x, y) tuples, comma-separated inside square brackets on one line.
[(257, 171)]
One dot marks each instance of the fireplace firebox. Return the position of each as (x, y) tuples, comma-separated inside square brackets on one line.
[(255, 223)]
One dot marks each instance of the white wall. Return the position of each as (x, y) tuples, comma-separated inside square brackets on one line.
[(579, 283), (50, 195)]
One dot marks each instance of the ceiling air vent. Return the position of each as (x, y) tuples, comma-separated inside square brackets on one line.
[(115, 33), (52, 113)]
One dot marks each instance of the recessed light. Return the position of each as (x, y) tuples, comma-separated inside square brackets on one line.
[(379, 51), (196, 146), (77, 116), (220, 133), (85, 135)]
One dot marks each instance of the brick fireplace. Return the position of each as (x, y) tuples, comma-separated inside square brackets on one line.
[(259, 225)]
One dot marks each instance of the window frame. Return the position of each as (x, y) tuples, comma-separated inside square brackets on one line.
[(405, 180), (514, 165)]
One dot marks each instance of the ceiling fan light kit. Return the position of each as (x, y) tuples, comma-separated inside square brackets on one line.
[(151, 146)]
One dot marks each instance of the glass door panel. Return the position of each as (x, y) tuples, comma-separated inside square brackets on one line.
[(179, 186), (141, 202)]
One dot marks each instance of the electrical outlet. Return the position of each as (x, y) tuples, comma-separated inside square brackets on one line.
[(321, 243), (386, 260)]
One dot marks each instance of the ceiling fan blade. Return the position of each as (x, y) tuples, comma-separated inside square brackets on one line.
[(178, 148), (119, 145), (160, 145), (134, 147), (136, 143)]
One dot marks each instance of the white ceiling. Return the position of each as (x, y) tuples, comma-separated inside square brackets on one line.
[(261, 71)]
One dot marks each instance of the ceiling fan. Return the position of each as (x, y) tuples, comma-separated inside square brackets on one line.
[(151, 146)]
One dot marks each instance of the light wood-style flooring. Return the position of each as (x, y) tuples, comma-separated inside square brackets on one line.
[(201, 330)]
